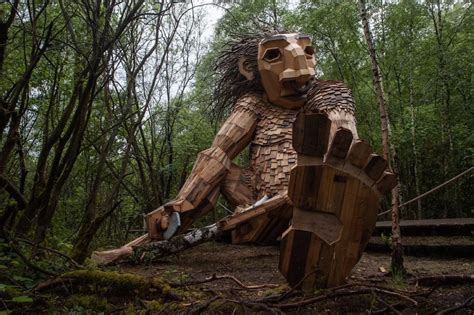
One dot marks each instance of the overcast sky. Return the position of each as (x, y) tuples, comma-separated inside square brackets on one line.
[(213, 14)]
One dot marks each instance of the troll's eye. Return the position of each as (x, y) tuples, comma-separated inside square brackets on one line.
[(309, 51), (272, 55)]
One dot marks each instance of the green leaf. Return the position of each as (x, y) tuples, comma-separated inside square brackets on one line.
[(15, 263), (22, 299), (21, 279)]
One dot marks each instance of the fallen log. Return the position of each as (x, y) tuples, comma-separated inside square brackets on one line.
[(143, 248), (159, 249), (112, 256)]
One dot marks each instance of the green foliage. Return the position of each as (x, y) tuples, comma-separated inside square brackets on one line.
[(386, 239), (427, 82), (143, 132)]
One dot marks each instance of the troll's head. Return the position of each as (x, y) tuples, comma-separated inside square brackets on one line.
[(279, 64)]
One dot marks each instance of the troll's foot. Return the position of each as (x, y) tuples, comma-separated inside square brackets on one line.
[(335, 190)]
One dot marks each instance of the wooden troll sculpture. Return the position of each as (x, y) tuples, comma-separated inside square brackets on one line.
[(311, 181)]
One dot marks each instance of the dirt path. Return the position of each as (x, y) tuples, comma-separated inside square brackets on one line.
[(254, 265)]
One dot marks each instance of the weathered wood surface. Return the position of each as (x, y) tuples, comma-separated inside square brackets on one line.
[(447, 227), (428, 246), (335, 205), (144, 246), (334, 186), (158, 249), (114, 255), (261, 224)]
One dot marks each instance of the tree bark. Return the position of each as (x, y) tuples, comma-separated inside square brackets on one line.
[(388, 151), (144, 249)]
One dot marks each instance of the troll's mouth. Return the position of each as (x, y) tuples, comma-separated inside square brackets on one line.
[(297, 87)]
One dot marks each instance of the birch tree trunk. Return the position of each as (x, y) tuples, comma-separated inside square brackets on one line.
[(145, 249), (388, 151)]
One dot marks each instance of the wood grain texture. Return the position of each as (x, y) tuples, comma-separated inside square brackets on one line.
[(336, 204), (237, 187), (311, 134)]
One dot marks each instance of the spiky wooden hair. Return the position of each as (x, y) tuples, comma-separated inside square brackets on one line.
[(230, 83)]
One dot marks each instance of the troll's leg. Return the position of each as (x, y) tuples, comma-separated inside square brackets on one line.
[(335, 189)]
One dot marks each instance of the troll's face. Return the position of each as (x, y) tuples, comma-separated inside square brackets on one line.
[(286, 66)]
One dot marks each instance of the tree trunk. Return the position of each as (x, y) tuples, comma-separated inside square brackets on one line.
[(159, 249), (414, 149), (143, 248), (388, 151)]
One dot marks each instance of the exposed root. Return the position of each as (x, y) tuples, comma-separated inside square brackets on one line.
[(453, 309), (215, 277)]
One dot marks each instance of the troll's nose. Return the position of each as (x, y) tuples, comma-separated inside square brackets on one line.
[(296, 66)]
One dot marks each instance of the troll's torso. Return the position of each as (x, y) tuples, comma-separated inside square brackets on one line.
[(271, 150)]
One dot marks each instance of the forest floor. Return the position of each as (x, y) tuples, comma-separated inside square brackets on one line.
[(220, 278), (258, 265)]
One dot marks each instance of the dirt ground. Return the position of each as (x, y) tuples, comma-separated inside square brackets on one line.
[(257, 265)]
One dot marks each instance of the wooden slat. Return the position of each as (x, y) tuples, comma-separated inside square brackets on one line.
[(324, 194), (326, 260), (273, 204), (312, 269), (250, 234), (151, 220), (360, 208), (375, 166), (336, 273), (386, 183), (235, 189), (359, 153), (298, 257), (285, 251), (325, 225), (340, 144), (311, 134), (304, 186)]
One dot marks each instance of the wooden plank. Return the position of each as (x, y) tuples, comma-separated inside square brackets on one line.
[(338, 191), (331, 198), (312, 269), (453, 222), (340, 144), (236, 187), (311, 134), (273, 204), (375, 166), (151, 219), (298, 256), (250, 234), (285, 253), (359, 153), (304, 186), (430, 227), (386, 183), (325, 225), (326, 260), (336, 274), (267, 227), (271, 230), (360, 208), (276, 233), (325, 193), (370, 217)]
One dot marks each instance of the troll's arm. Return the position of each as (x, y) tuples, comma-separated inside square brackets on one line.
[(200, 191)]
